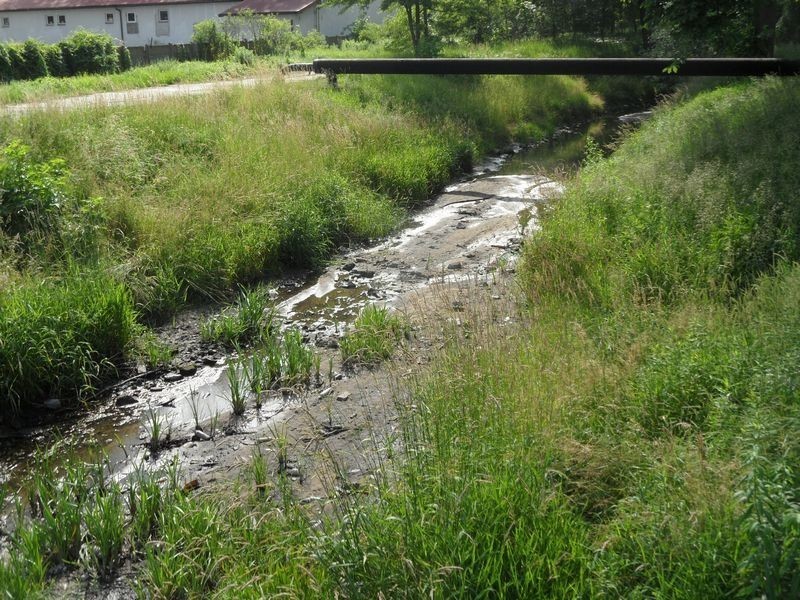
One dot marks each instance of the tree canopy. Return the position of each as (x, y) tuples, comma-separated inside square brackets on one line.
[(667, 27)]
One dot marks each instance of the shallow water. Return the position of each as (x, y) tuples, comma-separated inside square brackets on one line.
[(504, 185)]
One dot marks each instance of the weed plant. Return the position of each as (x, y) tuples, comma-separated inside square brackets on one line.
[(236, 390), (250, 320), (375, 335), (157, 428)]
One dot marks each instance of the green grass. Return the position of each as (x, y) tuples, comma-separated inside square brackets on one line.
[(635, 436), (178, 202), (249, 320), (375, 335), (166, 72)]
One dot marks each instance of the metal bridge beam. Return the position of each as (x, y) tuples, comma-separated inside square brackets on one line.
[(731, 67)]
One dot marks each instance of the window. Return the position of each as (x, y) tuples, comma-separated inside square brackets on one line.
[(6, 22), (51, 20), (109, 17), (62, 20), (132, 27), (163, 16)]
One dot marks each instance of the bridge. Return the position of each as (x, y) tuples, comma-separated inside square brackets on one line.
[(690, 67)]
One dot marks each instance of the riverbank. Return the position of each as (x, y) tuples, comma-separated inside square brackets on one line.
[(627, 429), (166, 204)]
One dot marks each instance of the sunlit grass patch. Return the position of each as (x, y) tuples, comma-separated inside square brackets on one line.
[(249, 320), (375, 335)]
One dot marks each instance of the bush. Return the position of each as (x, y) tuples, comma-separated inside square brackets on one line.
[(213, 42), (90, 53), (32, 194), (6, 70), (54, 58), (33, 63), (124, 58), (16, 61), (244, 56)]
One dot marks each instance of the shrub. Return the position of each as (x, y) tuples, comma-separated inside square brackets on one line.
[(244, 56), (54, 57), (33, 62), (124, 58), (90, 53), (16, 61), (6, 72), (32, 194), (213, 42)]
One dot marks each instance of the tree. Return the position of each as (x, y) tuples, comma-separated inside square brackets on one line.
[(417, 14)]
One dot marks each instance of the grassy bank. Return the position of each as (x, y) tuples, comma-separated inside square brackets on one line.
[(167, 72), (638, 437), (635, 436), (183, 199)]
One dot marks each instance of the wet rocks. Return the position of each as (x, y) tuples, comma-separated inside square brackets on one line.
[(200, 436), (348, 266), (364, 273), (456, 265), (52, 404), (172, 377), (125, 400), (327, 341), (410, 276), (187, 369)]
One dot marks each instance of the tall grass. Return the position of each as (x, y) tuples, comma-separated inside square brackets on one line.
[(166, 72), (626, 440), (195, 202), (375, 335)]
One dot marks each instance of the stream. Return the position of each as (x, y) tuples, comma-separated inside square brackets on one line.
[(464, 233)]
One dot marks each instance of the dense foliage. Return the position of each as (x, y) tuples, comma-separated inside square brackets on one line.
[(80, 53), (264, 35), (667, 27)]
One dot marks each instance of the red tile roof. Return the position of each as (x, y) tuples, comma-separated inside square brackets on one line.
[(9, 5), (263, 7)]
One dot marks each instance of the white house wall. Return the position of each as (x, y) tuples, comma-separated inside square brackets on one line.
[(334, 22), (330, 21), (182, 18)]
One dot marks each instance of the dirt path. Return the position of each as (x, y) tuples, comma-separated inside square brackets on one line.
[(142, 95)]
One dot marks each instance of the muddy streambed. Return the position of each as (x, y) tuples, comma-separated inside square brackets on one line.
[(469, 232)]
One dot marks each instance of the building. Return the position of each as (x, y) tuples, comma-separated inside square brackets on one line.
[(139, 23), (308, 15)]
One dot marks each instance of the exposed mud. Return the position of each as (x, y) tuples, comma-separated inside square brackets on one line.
[(467, 239)]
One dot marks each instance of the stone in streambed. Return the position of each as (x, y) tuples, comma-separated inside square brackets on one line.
[(200, 436), (125, 400), (187, 369)]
